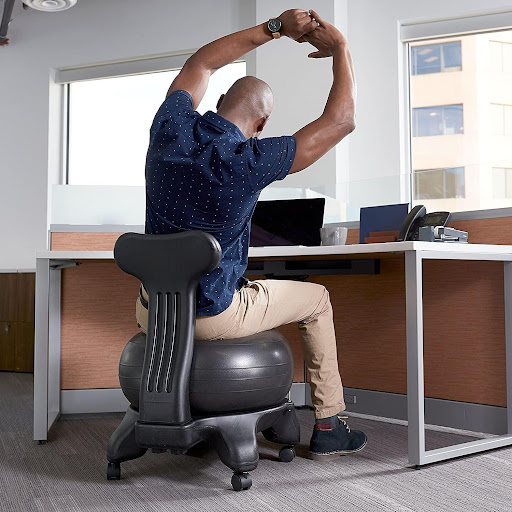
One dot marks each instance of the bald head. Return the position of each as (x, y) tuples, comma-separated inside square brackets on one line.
[(248, 102)]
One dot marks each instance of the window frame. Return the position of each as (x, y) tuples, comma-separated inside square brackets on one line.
[(61, 78), (442, 115), (507, 178), (414, 64), (505, 112), (503, 45), (445, 171), (425, 29)]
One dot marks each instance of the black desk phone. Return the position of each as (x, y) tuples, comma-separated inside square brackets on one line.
[(418, 218)]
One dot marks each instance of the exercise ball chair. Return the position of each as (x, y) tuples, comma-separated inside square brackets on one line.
[(185, 393)]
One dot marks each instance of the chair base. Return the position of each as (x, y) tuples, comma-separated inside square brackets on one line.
[(232, 436)]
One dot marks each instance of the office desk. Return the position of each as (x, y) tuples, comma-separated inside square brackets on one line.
[(47, 337)]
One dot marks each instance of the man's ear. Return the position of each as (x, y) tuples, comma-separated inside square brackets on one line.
[(261, 124), (220, 101)]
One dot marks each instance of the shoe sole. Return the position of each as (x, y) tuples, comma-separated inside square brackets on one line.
[(334, 455)]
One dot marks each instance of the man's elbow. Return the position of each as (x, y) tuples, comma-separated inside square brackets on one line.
[(342, 125), (346, 126), (350, 125)]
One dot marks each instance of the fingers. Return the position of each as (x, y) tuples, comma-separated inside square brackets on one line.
[(315, 55), (312, 25), (305, 24), (315, 16)]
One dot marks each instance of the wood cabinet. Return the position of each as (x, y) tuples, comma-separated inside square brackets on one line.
[(17, 291)]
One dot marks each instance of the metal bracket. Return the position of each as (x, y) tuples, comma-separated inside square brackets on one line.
[(59, 264), (283, 268)]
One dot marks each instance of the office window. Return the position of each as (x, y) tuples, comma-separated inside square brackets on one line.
[(440, 120), (456, 173), (500, 56), (439, 183), (502, 182), (501, 119), (436, 58), (109, 122)]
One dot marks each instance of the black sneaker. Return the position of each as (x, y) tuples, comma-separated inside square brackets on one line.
[(330, 444)]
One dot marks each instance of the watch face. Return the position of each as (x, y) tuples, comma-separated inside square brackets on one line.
[(274, 25)]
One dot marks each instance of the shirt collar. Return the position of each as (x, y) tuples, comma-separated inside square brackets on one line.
[(223, 124)]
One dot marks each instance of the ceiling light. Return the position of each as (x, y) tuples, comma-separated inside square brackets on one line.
[(50, 5)]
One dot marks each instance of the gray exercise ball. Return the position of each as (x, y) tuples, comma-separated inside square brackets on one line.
[(239, 375)]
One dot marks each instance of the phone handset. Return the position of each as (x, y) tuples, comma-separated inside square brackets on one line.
[(411, 223)]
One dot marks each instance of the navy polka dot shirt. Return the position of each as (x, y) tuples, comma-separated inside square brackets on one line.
[(202, 173)]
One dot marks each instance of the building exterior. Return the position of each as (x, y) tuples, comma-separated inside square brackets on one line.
[(461, 122)]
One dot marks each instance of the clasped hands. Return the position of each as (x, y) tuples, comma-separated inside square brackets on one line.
[(307, 26)]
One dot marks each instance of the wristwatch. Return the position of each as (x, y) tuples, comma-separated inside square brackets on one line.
[(275, 25)]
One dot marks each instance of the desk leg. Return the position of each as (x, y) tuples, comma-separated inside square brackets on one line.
[(41, 350), (54, 346), (415, 374), (508, 339)]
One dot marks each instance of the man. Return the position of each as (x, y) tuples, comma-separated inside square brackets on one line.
[(206, 173)]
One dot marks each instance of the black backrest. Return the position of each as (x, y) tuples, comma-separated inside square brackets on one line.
[(170, 267)]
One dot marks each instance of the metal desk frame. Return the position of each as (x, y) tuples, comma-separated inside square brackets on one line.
[(47, 332)]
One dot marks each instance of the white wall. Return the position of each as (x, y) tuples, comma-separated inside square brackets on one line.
[(92, 31), (373, 40), (300, 86), (97, 31)]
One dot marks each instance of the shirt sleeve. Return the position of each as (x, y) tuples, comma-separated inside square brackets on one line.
[(178, 103), (269, 159)]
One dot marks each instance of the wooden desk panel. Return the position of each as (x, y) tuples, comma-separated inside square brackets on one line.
[(8, 297), (464, 331), (17, 292), (464, 355), (83, 241), (369, 318), (98, 319)]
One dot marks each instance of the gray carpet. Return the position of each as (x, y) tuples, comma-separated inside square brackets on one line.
[(68, 473)]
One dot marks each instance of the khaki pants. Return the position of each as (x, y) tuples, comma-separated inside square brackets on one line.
[(265, 304)]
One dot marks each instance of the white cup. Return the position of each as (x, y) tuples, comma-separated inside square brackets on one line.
[(334, 235)]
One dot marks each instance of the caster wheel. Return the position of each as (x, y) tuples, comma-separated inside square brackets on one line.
[(42, 441), (114, 471), (287, 453), (241, 481)]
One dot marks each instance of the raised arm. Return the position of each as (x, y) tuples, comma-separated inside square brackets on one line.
[(338, 117), (195, 74)]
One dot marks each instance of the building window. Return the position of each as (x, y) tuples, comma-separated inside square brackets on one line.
[(500, 56), (436, 58), (501, 119), (109, 121), (502, 182), (439, 183), (440, 120)]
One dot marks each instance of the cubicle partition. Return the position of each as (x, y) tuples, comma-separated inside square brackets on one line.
[(464, 354)]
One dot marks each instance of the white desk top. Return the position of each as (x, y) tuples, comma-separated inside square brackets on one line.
[(453, 249)]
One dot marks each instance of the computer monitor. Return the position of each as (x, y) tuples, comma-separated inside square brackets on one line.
[(287, 222)]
